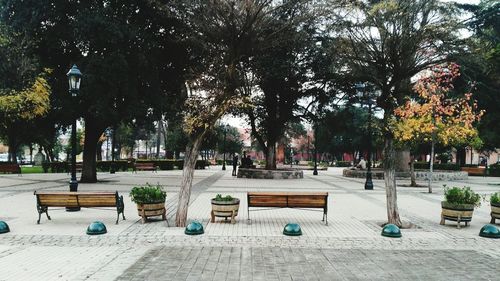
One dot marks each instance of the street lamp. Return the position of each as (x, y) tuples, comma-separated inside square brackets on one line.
[(315, 171), (361, 88), (74, 79), (112, 169), (224, 128)]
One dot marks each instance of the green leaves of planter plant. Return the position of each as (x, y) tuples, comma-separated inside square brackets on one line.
[(495, 198), (148, 194), (465, 195), (219, 197)]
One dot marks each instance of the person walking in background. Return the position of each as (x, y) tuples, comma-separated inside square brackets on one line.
[(235, 163)]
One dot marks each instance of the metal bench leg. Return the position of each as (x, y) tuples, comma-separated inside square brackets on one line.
[(248, 215)]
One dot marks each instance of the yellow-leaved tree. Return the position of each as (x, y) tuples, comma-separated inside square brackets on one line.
[(20, 106), (435, 116)]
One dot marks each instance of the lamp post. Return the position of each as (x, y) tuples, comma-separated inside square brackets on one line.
[(315, 171), (74, 79), (112, 169), (224, 148), (361, 87)]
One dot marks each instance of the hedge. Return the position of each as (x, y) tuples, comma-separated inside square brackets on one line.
[(123, 165), (494, 170), (343, 164), (437, 166)]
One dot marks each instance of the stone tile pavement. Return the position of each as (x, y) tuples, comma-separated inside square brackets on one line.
[(349, 248)]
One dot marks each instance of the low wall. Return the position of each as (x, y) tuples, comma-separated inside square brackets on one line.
[(419, 174), (270, 174)]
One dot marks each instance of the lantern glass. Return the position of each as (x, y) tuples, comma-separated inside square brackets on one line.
[(74, 80)]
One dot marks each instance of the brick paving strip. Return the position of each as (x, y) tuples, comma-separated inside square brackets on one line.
[(255, 263)]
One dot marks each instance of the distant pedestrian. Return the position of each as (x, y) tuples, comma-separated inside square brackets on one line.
[(235, 163)]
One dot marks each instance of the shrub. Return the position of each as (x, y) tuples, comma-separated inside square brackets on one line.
[(495, 198), (459, 196), (343, 164), (219, 197), (494, 170), (148, 194), (445, 167)]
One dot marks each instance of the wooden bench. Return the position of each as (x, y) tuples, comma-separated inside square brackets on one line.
[(46, 199), (302, 200), (474, 171), (10, 168), (147, 166)]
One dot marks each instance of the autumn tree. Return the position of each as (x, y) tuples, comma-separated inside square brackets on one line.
[(24, 93), (435, 117), (386, 43)]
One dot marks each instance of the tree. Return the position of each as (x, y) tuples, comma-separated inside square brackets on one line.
[(24, 90), (121, 48), (482, 65), (283, 72), (18, 108), (386, 43), (437, 118), (222, 33)]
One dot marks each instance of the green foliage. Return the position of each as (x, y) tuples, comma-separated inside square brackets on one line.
[(465, 195), (343, 164), (31, 170), (494, 170), (437, 166), (219, 197), (148, 194), (495, 198)]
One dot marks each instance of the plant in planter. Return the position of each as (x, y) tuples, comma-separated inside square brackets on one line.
[(459, 205), (495, 206), (225, 206), (150, 201)]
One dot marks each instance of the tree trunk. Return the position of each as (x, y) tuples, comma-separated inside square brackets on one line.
[(158, 139), (98, 150), (390, 182), (402, 158), (12, 153), (461, 156), (431, 166), (192, 151), (271, 156), (92, 134), (412, 172)]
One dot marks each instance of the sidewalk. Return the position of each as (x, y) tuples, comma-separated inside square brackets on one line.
[(60, 250)]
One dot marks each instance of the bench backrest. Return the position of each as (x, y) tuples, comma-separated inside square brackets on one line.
[(288, 199), (10, 167), (144, 164), (77, 199)]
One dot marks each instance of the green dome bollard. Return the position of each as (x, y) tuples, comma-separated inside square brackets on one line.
[(489, 231), (194, 228), (4, 227), (391, 230), (96, 228), (292, 229)]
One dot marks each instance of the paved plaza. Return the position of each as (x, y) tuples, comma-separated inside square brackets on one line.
[(350, 247)]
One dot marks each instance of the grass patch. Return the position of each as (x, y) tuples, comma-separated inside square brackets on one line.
[(31, 170)]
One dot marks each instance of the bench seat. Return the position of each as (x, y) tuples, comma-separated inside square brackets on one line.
[(306, 200), (68, 199)]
